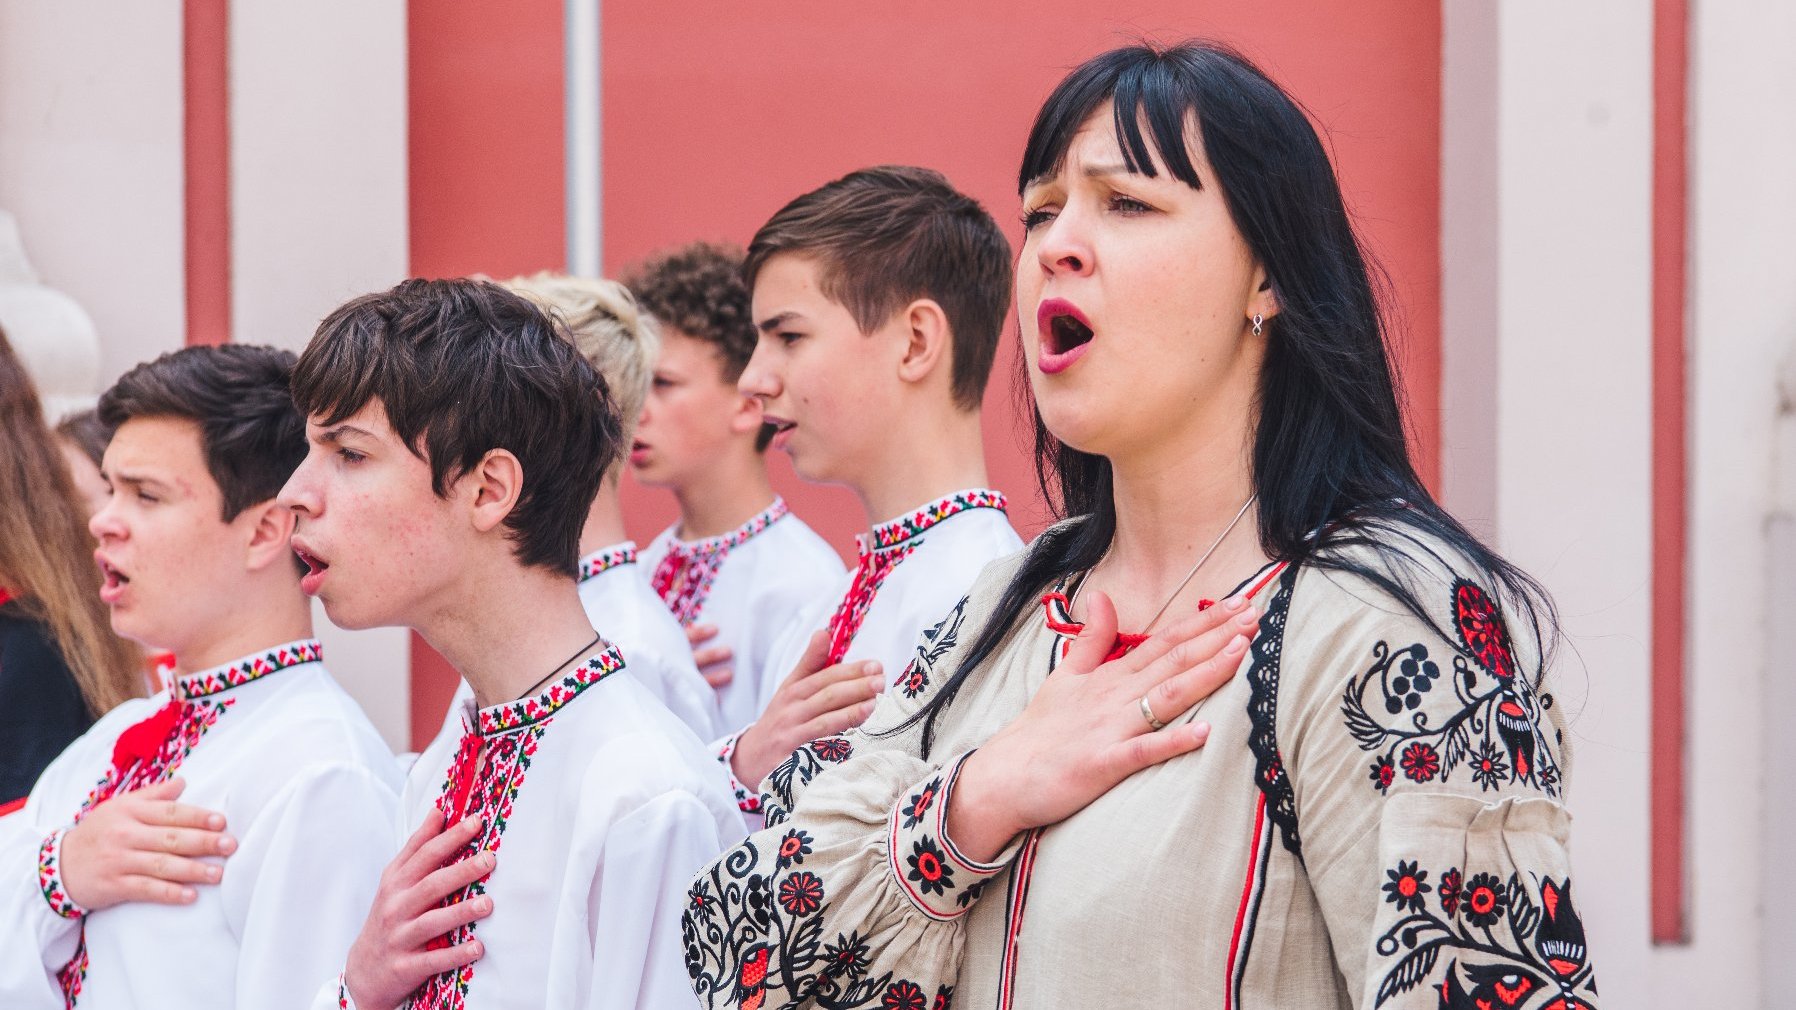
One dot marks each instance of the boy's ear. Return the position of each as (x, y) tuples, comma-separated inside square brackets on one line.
[(927, 337), (494, 485), (748, 415), (271, 526)]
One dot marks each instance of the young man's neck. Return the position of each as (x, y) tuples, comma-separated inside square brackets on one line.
[(942, 451), (506, 642), (604, 519), (263, 616), (724, 495)]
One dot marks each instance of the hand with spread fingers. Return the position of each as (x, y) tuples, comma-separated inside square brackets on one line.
[(395, 952), (143, 846), (816, 700), (1094, 723)]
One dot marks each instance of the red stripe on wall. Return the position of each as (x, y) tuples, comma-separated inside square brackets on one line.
[(1670, 75), (485, 168), (206, 139)]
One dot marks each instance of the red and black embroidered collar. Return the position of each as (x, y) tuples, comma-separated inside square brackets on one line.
[(605, 559), (510, 715), (1057, 612), (684, 576), (894, 533), (252, 667), (881, 551)]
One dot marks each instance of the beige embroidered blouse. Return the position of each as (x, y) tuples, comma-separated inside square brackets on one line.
[(1377, 820)]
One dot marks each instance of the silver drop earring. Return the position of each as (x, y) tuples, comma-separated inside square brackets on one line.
[(1258, 322)]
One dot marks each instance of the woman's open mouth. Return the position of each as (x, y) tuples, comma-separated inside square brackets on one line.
[(1065, 335)]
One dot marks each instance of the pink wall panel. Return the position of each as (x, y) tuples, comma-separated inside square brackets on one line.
[(715, 115)]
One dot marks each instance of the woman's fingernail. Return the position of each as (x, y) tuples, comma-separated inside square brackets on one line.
[(1247, 619), (213, 873), (1234, 603), (227, 844), (1236, 645), (1200, 731)]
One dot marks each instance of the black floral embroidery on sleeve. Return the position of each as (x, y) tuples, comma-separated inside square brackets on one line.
[(1493, 713), (1506, 943), (797, 771)]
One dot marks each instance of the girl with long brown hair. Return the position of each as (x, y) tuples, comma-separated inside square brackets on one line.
[(61, 666)]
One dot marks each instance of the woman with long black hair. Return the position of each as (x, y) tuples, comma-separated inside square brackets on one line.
[(1375, 815)]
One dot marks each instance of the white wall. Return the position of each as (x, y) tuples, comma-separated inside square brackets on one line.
[(1742, 324), (319, 215), (1546, 360), (91, 162), (1546, 165)]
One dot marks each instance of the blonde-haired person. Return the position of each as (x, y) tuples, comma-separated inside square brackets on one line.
[(620, 341), (60, 664)]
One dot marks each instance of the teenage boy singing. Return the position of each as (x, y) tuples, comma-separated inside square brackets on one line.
[(620, 343), (456, 440), (879, 299), (738, 565), (215, 845)]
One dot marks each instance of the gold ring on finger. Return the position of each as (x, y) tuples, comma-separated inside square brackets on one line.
[(1147, 712)]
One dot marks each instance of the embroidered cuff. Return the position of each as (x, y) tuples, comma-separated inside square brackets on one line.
[(49, 877), (747, 800), (940, 880), (344, 1000)]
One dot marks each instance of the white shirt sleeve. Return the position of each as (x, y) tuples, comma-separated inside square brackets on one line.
[(638, 895), (299, 886), (38, 941)]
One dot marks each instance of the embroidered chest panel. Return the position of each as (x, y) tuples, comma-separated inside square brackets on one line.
[(683, 578), (484, 780), (150, 752)]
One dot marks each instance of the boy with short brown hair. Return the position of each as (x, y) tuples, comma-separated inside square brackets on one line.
[(738, 565), (879, 299)]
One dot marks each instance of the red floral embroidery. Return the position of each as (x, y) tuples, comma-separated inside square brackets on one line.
[(684, 576), (49, 877), (484, 780), (883, 550), (1421, 762), (150, 751), (801, 893), (599, 562)]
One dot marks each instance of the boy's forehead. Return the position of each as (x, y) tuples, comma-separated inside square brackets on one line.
[(368, 421), (167, 450), (789, 290)]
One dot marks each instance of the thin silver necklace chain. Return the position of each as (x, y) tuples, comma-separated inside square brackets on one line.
[(1192, 574)]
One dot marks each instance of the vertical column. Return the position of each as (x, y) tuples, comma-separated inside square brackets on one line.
[(1469, 262), (1669, 880), (1741, 327), (205, 37), (90, 164), (585, 134), (1547, 201), (318, 183)]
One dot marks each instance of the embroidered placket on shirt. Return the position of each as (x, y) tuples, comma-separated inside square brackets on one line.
[(150, 751), (884, 549), (684, 576), (497, 746)]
